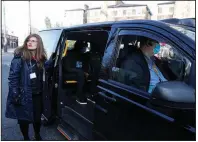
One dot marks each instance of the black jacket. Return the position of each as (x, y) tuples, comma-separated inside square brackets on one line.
[(20, 85), (36, 83), (136, 63)]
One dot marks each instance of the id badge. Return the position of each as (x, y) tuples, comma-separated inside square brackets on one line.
[(32, 75)]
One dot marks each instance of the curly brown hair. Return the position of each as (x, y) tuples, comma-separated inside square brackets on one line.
[(40, 53)]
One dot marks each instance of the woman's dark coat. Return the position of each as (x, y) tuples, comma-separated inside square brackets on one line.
[(19, 84)]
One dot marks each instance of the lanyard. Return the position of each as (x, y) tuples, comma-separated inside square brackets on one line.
[(156, 71), (154, 67), (31, 66)]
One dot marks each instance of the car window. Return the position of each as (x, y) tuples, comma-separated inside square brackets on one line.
[(127, 45), (189, 33), (175, 60), (70, 44), (127, 70), (85, 47), (50, 40)]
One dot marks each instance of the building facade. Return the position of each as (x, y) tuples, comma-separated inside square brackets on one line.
[(119, 12), (177, 9), (184, 9), (165, 10), (73, 17), (116, 12), (11, 41)]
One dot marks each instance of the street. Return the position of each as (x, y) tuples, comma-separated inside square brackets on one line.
[(9, 128)]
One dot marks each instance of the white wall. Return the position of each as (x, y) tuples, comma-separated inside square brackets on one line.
[(95, 15), (184, 9), (128, 11), (73, 18), (165, 9)]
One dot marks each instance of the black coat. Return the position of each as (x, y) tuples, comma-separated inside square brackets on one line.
[(136, 62), (20, 84)]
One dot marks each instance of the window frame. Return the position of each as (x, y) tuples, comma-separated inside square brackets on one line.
[(160, 10), (134, 12), (115, 13), (130, 31), (124, 12), (57, 33), (171, 9), (143, 10)]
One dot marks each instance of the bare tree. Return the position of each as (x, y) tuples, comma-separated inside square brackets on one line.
[(48, 23)]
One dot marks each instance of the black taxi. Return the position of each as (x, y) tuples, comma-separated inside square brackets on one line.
[(116, 110)]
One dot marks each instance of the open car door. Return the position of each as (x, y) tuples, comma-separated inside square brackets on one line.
[(50, 40)]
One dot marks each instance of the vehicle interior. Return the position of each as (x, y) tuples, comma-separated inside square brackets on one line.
[(88, 47), (91, 46), (171, 63)]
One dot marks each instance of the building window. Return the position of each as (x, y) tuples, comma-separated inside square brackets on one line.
[(92, 14), (88, 14), (159, 10), (124, 12), (115, 13), (144, 11), (161, 17), (96, 13), (139, 11), (112, 13), (171, 9), (134, 12)]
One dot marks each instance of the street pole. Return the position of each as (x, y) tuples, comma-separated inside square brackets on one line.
[(5, 38), (86, 7), (30, 18)]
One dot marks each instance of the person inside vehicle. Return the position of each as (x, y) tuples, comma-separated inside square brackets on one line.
[(73, 70), (142, 63)]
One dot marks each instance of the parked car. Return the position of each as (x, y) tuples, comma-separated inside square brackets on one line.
[(116, 110)]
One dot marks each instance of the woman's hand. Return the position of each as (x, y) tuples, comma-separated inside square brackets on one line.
[(16, 100)]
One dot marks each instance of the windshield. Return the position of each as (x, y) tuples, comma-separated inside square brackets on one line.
[(185, 31), (50, 39)]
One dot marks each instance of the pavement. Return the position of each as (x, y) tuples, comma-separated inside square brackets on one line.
[(8, 51), (9, 127)]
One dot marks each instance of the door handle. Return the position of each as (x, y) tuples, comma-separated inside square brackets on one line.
[(101, 108), (107, 97)]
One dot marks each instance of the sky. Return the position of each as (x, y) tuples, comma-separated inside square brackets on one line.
[(17, 13)]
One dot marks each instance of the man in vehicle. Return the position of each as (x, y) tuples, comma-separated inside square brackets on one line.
[(141, 62)]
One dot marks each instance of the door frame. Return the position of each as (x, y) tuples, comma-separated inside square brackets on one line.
[(170, 38)]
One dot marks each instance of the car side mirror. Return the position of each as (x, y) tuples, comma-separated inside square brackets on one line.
[(174, 95)]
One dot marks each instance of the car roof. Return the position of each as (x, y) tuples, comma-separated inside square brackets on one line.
[(188, 22), (99, 24), (103, 25), (110, 23)]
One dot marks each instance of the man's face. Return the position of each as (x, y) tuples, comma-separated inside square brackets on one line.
[(149, 49)]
